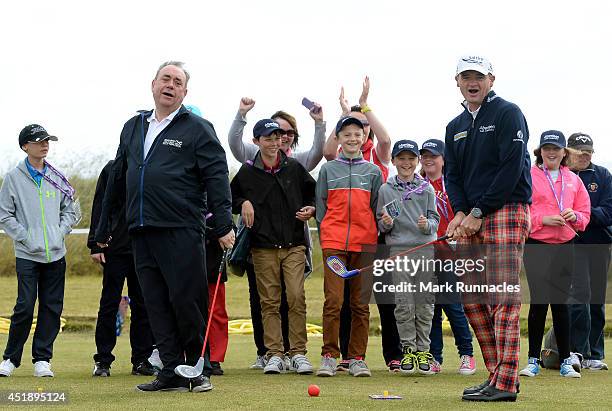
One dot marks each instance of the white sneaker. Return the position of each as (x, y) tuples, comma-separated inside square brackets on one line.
[(42, 369), (596, 365), (576, 361), (567, 370), (260, 363), (6, 368), (275, 365), (155, 360), (301, 365)]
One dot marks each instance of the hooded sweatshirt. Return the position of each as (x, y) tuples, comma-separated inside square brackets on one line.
[(405, 230), (36, 217)]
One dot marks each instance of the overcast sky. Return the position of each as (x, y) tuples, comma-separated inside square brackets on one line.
[(81, 69)]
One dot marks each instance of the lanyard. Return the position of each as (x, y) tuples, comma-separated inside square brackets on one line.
[(559, 199), (417, 190), (441, 203), (69, 191)]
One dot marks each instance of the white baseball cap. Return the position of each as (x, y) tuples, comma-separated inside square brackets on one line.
[(476, 63)]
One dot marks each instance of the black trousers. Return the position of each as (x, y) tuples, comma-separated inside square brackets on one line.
[(391, 345), (116, 270), (171, 269), (549, 268), (47, 281), (256, 319)]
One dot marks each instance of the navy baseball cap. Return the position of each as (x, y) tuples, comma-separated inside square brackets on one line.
[(405, 145), (345, 121), (265, 127), (434, 146), (554, 137), (34, 133)]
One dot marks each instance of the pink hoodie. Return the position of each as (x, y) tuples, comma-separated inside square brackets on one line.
[(544, 203)]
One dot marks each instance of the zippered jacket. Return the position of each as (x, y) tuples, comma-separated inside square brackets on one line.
[(276, 197), (545, 204), (347, 195), (36, 218), (486, 161), (166, 189), (121, 242), (598, 183), (405, 230)]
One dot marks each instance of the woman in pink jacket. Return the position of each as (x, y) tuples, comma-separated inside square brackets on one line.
[(560, 208)]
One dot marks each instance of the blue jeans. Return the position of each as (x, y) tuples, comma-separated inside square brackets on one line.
[(450, 302), (589, 284), (459, 325)]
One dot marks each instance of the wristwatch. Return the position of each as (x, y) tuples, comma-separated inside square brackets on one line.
[(476, 213)]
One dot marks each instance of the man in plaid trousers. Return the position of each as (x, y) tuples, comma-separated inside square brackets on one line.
[(489, 185)]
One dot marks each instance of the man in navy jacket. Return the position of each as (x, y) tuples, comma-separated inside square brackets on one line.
[(168, 161), (488, 182), (592, 261)]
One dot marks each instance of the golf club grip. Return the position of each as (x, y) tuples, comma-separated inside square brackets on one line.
[(442, 238), (211, 307)]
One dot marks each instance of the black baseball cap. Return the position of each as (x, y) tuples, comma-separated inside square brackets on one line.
[(34, 134), (580, 141), (405, 145), (554, 137), (345, 121), (434, 146), (265, 127)]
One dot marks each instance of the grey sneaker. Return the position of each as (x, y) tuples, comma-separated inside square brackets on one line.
[(359, 368), (576, 360), (300, 364), (260, 363), (596, 365), (275, 365), (327, 367)]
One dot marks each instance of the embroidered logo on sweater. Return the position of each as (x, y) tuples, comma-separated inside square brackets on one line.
[(459, 136), (173, 143), (487, 129)]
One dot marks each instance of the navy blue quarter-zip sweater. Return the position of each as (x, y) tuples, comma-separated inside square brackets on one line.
[(486, 160), (168, 188), (598, 182)]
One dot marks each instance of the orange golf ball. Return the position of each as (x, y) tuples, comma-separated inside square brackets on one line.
[(313, 390)]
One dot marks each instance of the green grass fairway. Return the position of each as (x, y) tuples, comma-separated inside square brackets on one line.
[(242, 388)]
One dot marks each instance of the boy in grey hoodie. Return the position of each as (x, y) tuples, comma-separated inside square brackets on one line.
[(407, 215), (37, 209)]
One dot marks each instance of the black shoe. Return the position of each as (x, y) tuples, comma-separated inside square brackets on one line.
[(201, 384), (101, 370), (490, 394), (216, 368), (144, 368), (176, 384), (476, 388)]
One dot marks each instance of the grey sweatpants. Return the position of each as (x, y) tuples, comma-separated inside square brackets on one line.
[(414, 309)]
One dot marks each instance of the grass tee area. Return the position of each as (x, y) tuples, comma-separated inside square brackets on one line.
[(242, 388)]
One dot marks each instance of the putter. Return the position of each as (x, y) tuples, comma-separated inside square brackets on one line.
[(188, 371), (339, 268)]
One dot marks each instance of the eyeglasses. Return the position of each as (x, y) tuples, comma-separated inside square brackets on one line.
[(288, 133)]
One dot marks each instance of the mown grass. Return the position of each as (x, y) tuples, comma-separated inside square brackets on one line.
[(244, 389)]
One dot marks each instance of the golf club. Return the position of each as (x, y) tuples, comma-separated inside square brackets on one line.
[(339, 268), (188, 371)]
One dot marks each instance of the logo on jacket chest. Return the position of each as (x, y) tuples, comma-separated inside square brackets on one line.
[(172, 143), (487, 129), (592, 187)]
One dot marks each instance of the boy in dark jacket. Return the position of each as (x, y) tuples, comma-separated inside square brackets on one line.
[(118, 266), (275, 196)]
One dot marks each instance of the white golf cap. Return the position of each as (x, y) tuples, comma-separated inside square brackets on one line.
[(476, 63)]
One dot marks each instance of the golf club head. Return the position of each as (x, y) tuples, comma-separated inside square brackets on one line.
[(337, 266), (188, 371)]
